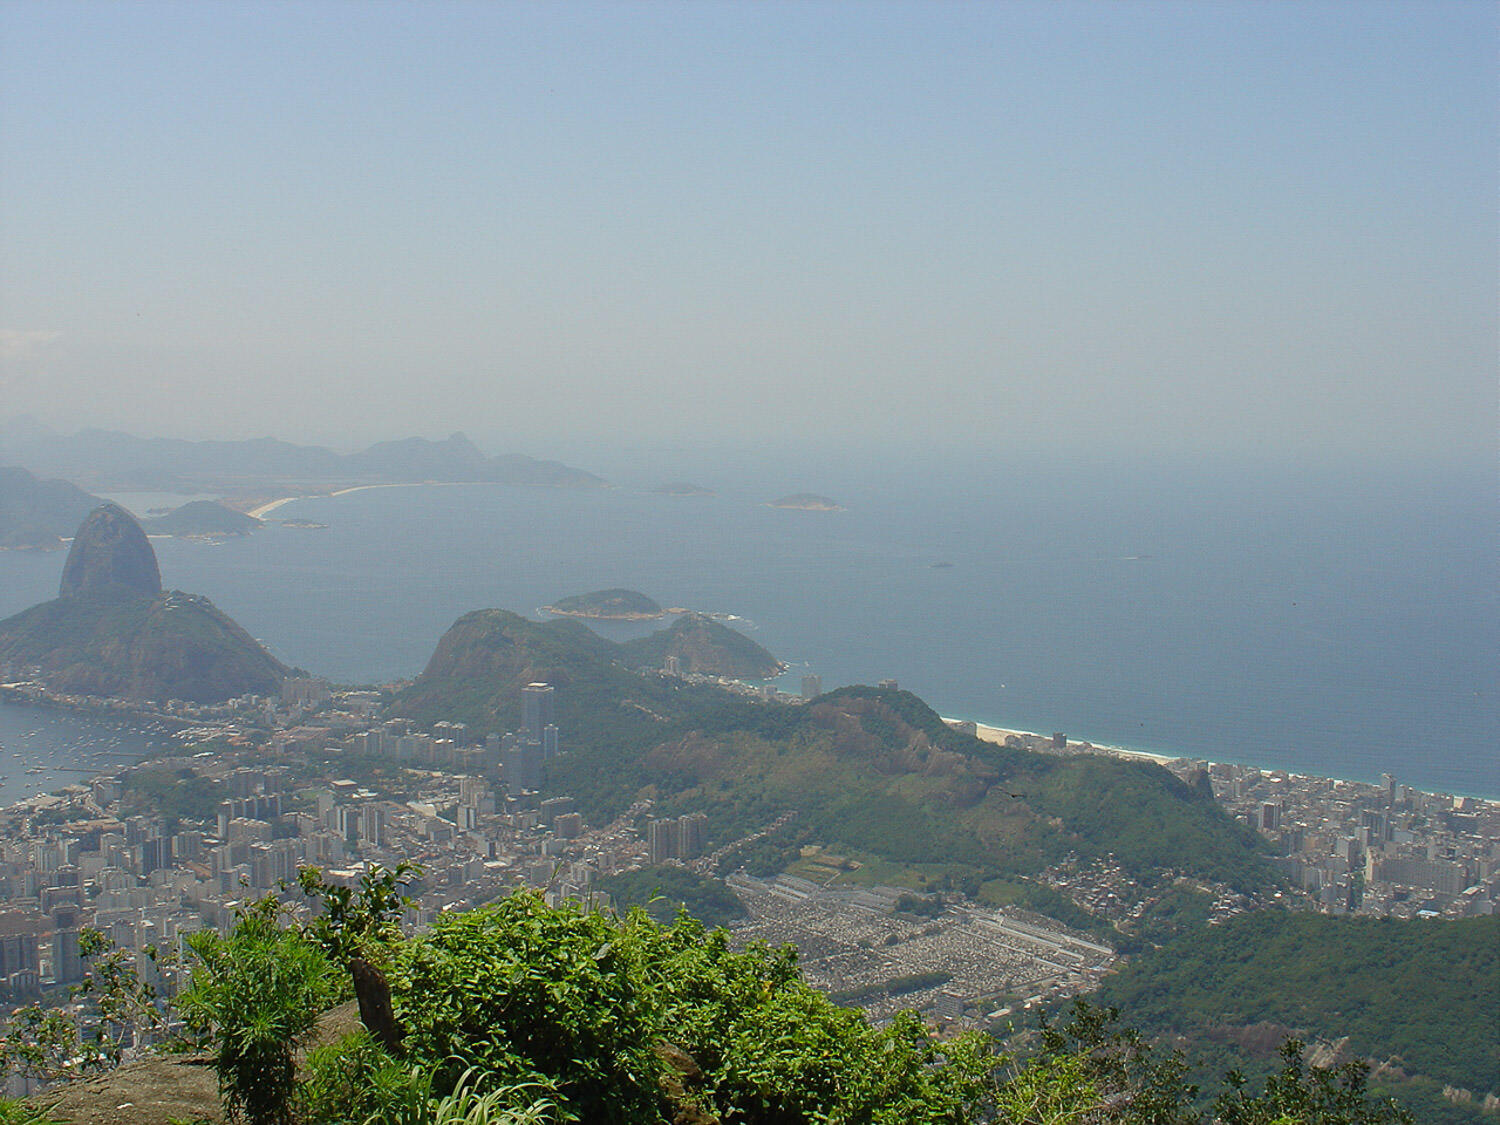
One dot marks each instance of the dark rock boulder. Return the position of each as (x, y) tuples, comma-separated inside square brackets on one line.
[(110, 558)]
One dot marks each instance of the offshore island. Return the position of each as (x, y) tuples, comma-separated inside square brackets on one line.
[(807, 502), (608, 605)]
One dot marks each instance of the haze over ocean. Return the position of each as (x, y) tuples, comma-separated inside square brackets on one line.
[(1335, 625), (953, 250)]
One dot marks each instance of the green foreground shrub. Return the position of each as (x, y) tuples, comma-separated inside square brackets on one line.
[(633, 1022), (255, 998), (522, 1014)]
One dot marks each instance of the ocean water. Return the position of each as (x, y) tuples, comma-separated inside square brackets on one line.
[(1344, 624)]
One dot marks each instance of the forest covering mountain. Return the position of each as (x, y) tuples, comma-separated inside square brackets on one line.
[(107, 459), (703, 647), (1417, 997), (871, 770)]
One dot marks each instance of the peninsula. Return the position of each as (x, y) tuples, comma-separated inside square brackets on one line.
[(114, 631)]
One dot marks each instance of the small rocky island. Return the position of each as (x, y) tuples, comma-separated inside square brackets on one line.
[(607, 605), (808, 502), (682, 488)]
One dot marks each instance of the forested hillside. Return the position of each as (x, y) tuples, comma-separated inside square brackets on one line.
[(1417, 996), (872, 770)]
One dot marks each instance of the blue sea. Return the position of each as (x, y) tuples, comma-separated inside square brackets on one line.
[(1343, 623)]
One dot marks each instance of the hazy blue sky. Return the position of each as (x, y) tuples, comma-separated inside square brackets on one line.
[(1262, 228)]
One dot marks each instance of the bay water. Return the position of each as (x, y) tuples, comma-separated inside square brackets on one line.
[(1337, 623)]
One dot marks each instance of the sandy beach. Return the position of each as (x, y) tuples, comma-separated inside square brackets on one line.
[(264, 510), (1000, 734)]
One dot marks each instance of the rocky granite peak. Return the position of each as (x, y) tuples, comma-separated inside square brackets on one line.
[(110, 557)]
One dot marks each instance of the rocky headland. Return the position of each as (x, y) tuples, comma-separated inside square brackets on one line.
[(114, 631)]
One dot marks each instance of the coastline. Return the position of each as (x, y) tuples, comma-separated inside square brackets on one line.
[(260, 511), (584, 615), (986, 733)]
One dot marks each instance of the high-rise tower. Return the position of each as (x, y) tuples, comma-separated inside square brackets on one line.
[(538, 711)]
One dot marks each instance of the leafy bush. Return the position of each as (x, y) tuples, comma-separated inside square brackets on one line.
[(52, 1044), (19, 1113), (522, 1014), (355, 1082), (663, 891), (1316, 1096), (256, 997), (633, 1023), (524, 1103), (352, 1080)]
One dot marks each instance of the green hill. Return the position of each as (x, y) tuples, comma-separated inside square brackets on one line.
[(879, 771), (1417, 997), (202, 517), (486, 657), (703, 647), (872, 770), (172, 646)]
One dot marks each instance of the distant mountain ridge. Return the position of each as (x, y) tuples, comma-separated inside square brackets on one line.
[(107, 459), (39, 514)]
